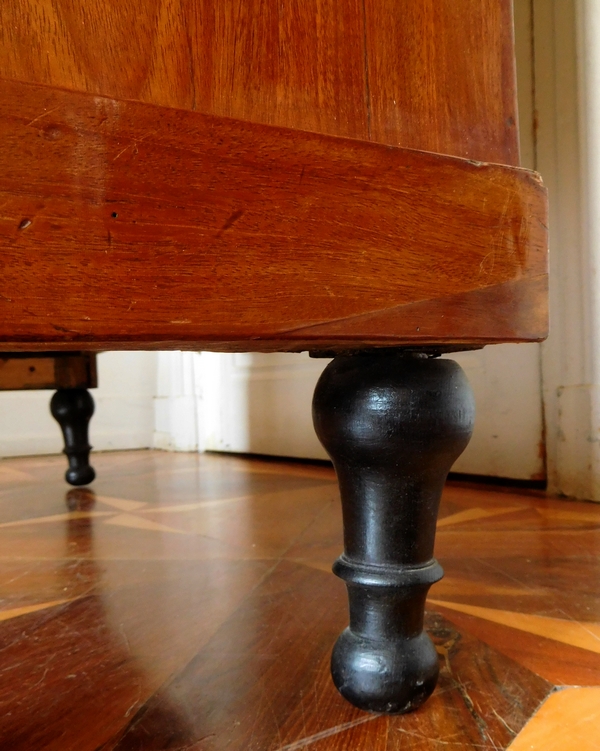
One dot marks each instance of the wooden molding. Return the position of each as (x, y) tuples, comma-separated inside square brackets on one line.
[(130, 225)]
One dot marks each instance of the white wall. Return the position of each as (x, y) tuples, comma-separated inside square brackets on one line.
[(124, 416), (178, 401), (567, 99)]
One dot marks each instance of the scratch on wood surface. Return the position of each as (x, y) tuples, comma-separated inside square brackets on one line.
[(136, 703), (298, 745), (41, 680), (125, 639), (134, 144), (230, 222), (503, 721), (129, 145), (483, 266), (44, 114), (459, 743)]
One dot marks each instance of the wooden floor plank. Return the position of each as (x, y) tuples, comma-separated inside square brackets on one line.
[(217, 636)]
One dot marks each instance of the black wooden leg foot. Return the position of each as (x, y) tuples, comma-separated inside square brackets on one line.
[(393, 424), (73, 409)]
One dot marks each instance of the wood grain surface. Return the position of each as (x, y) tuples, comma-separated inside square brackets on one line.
[(125, 224), (441, 76), (436, 75), (190, 597)]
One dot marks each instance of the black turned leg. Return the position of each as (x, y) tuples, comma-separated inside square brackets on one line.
[(73, 409), (393, 424)]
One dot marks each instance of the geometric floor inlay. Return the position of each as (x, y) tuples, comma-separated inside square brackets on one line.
[(186, 601), (569, 720), (6, 615), (584, 635)]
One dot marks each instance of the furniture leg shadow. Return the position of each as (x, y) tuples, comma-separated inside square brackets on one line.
[(393, 423)]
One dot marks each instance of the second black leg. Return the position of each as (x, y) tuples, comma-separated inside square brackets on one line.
[(73, 409)]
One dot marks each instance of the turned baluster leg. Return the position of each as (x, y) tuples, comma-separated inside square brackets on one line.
[(73, 409), (393, 423)]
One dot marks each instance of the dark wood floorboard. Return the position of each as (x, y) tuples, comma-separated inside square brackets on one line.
[(185, 602)]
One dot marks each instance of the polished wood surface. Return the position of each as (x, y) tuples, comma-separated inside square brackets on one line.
[(186, 602), (568, 721), (47, 370), (166, 229), (159, 227), (436, 75), (441, 76)]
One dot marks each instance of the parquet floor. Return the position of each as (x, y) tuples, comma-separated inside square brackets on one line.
[(186, 603)]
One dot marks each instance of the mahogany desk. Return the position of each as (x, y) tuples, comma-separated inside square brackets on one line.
[(336, 176)]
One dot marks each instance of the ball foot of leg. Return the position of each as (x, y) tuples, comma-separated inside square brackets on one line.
[(384, 676)]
